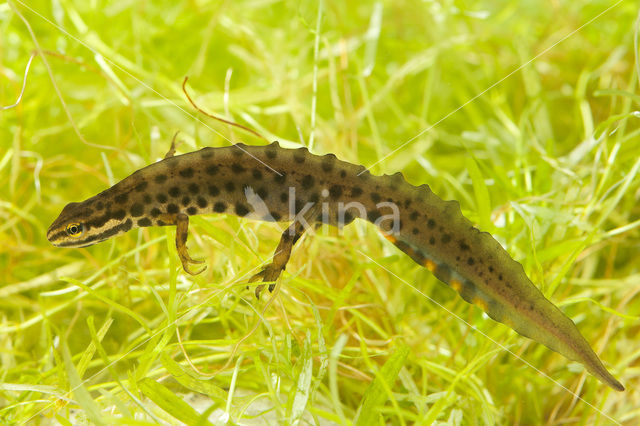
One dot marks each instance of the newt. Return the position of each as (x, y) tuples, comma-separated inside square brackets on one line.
[(276, 184)]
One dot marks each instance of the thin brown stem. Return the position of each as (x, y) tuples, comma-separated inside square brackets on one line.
[(222, 120)]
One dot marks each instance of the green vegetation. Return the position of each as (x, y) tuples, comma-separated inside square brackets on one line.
[(524, 111)]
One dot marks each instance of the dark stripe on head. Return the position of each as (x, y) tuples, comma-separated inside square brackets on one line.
[(121, 228)]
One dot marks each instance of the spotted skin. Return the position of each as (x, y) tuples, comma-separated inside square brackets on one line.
[(433, 232)]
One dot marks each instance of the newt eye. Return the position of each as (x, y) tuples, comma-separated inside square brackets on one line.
[(75, 230)]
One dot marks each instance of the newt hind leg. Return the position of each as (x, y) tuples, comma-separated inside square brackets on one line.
[(289, 238)]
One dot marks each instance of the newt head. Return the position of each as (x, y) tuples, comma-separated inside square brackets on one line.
[(80, 225)]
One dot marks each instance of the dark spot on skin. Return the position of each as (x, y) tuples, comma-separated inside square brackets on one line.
[(343, 173), (262, 193), (375, 197), (193, 188), (403, 246), (432, 241), (307, 181), (229, 186), (431, 223), (160, 223), (464, 246), (284, 197), (414, 215), (299, 155), (172, 208), (445, 238), (531, 307), (335, 191), (373, 215), (126, 225), (415, 231), (174, 191), (186, 200), (271, 152), (137, 210), (257, 174), (238, 150), (187, 173), (144, 222), (211, 170), (276, 216), (99, 205), (160, 179), (202, 203), (327, 163), (119, 214), (470, 261), (457, 258), (237, 168), (443, 273), (99, 221), (191, 211), (500, 277), (121, 198), (213, 190), (171, 162), (241, 209), (407, 203), (490, 268), (147, 199), (141, 186), (155, 212), (356, 191), (219, 207), (280, 178), (206, 153), (314, 198), (161, 198), (348, 217)]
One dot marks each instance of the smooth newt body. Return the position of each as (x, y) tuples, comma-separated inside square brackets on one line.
[(276, 184)]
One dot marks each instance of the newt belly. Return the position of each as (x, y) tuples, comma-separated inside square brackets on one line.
[(276, 184)]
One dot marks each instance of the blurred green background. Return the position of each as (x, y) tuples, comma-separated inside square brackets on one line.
[(524, 111)]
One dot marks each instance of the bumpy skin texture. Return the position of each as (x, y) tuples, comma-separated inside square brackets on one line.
[(275, 184)]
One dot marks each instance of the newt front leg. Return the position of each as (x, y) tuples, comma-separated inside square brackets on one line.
[(181, 221), (182, 232)]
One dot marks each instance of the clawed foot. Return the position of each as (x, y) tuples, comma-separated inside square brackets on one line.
[(186, 260), (269, 274)]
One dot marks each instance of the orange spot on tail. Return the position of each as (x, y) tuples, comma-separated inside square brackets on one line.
[(430, 265), (456, 285), (480, 304), (390, 238)]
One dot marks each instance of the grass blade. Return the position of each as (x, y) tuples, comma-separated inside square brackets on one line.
[(380, 389)]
